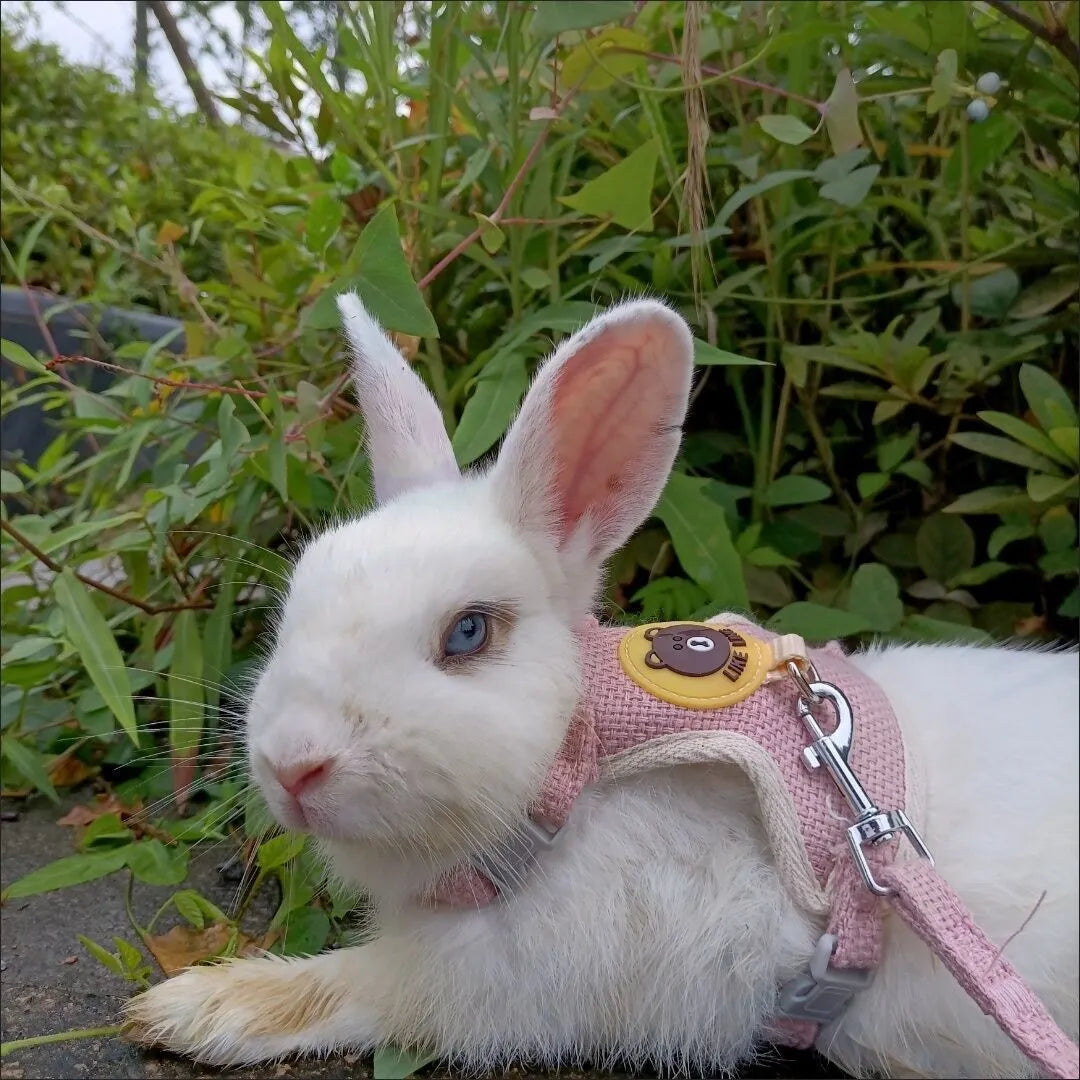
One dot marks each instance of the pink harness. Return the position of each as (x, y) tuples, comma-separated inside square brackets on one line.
[(842, 855)]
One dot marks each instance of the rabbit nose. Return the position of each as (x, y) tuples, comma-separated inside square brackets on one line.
[(302, 776)]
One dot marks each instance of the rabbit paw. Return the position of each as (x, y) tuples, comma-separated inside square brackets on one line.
[(243, 1011)]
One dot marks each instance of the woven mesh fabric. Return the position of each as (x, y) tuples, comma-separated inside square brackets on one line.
[(616, 715)]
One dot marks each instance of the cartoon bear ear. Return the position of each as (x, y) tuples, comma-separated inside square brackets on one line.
[(653, 660)]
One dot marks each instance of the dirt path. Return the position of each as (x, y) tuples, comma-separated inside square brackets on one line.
[(46, 991)]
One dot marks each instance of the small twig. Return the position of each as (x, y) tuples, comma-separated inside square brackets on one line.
[(1018, 931), (1057, 39), (117, 594), (178, 384)]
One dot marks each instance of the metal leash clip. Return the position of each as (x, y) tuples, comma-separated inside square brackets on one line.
[(872, 826)]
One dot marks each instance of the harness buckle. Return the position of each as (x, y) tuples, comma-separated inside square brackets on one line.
[(507, 866), (824, 993)]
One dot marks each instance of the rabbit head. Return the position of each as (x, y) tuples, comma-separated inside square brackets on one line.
[(424, 668)]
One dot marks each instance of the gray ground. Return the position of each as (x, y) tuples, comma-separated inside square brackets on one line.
[(45, 991)]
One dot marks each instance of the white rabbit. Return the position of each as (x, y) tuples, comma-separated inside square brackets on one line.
[(658, 928)]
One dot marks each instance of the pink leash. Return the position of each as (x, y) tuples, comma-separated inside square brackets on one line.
[(938, 916)]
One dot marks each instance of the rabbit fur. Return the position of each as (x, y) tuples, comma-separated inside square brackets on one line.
[(658, 929)]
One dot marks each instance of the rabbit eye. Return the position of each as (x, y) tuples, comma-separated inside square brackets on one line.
[(468, 635)]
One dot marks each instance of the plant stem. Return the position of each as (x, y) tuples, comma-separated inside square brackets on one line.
[(117, 594), (60, 1036)]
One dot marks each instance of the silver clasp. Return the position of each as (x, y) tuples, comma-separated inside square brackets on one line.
[(872, 826)]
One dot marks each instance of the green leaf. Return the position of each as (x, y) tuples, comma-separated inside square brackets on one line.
[(536, 278), (217, 635), (795, 490), (280, 850), (390, 1062), (71, 870), (1070, 606), (105, 831), (1041, 488), (816, 622), (989, 500), (186, 686), (853, 188), (101, 954), (989, 296), (1046, 398), (1007, 534), (323, 221), (706, 355), (155, 864), (10, 484), (383, 281), (945, 71), (189, 908), (987, 144), (945, 546), (925, 628), (92, 639), (1049, 292), (870, 483), (623, 192), (875, 596), (1067, 440), (28, 763), (1004, 449), (785, 128), (836, 168), (1025, 433), (306, 932), (599, 60), (759, 187), (491, 237), (979, 575), (702, 540), (558, 16), (489, 410), (842, 114), (16, 354)]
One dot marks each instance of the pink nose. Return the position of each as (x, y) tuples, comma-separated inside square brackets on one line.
[(302, 776)]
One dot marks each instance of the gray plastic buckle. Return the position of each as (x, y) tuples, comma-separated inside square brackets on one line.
[(506, 868), (824, 994)]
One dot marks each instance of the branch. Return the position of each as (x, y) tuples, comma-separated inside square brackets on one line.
[(117, 594), (180, 50), (1058, 38)]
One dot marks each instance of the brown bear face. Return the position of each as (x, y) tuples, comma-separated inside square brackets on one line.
[(692, 648)]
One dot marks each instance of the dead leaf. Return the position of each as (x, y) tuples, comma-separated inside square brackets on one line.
[(80, 816), (170, 232), (184, 946), (1034, 624), (70, 960), (69, 771), (407, 345), (183, 767)]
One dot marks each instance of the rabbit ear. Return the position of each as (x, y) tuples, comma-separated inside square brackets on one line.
[(406, 438), (590, 452)]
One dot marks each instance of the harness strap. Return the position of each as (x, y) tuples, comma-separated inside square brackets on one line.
[(938, 916)]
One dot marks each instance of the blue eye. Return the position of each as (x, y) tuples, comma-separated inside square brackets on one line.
[(468, 635)]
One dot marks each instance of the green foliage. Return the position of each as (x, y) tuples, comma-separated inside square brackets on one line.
[(884, 437), (79, 150)]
